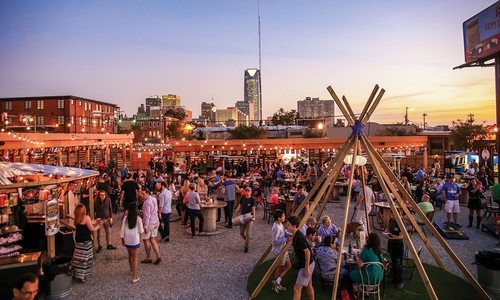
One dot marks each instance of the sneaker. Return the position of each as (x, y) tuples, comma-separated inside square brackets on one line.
[(99, 249), (193, 237), (166, 239), (281, 288), (246, 250), (275, 287), (111, 247)]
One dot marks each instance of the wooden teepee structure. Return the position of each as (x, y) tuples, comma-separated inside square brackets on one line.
[(357, 142)]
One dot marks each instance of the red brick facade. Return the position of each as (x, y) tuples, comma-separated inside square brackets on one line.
[(63, 114)]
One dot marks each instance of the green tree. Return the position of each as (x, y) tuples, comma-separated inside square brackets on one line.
[(282, 117), (243, 132), (174, 130), (178, 114), (464, 133)]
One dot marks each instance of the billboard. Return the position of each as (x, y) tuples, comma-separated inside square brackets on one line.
[(482, 34)]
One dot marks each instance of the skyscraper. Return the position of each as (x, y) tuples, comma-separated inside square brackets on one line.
[(313, 108), (253, 92)]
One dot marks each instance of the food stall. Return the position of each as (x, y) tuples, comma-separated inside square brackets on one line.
[(35, 208)]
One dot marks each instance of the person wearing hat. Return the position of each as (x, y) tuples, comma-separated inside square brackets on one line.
[(450, 193), (247, 205)]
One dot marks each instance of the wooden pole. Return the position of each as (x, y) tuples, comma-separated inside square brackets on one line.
[(377, 168), (369, 102), (430, 226), (347, 116), (344, 225), (328, 178), (373, 107), (326, 197), (367, 217), (348, 107)]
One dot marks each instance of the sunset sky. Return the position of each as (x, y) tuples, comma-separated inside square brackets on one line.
[(124, 51)]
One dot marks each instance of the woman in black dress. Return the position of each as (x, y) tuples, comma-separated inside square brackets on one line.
[(476, 191)]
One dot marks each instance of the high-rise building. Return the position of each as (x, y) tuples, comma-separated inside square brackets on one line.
[(253, 92), (230, 116), (171, 100), (208, 111), (313, 108), (153, 106), (246, 107)]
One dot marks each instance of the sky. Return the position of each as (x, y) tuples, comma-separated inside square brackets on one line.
[(124, 51)]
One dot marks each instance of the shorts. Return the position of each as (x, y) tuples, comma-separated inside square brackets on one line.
[(452, 206), (284, 258), (133, 246), (152, 232), (301, 279)]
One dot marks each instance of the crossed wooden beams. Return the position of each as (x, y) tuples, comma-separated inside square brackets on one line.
[(389, 183)]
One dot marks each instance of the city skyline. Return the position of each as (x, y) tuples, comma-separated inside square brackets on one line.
[(123, 52)]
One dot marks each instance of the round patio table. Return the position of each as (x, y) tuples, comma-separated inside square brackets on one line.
[(209, 211)]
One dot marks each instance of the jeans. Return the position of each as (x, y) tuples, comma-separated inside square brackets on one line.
[(246, 232), (228, 212), (105, 225), (196, 213), (165, 225)]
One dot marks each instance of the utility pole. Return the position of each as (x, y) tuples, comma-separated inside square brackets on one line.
[(424, 115), (406, 117)]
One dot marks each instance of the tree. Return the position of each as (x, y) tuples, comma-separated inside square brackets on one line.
[(178, 113), (174, 130), (464, 133), (339, 123), (243, 132), (282, 117)]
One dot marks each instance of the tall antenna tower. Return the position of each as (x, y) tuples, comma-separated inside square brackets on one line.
[(260, 65)]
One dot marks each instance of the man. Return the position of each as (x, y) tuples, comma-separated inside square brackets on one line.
[(104, 212), (229, 190), (298, 198), (170, 167), (360, 205), (311, 222), (128, 194), (247, 205), (151, 223), (26, 288), (420, 174), (72, 198), (279, 240), (103, 183), (450, 193), (328, 228), (165, 210), (425, 207), (303, 253)]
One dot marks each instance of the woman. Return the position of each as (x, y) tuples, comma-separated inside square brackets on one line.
[(193, 204), (395, 247), (406, 184), (84, 250), (130, 233), (421, 190), (274, 200), (182, 202), (202, 188), (327, 255), (370, 253), (475, 190)]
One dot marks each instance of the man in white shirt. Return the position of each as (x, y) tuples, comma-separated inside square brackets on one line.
[(360, 205), (165, 210)]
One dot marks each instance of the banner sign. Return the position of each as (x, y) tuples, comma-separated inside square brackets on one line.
[(51, 217), (482, 34)]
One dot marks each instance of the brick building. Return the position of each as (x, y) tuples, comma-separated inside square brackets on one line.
[(61, 114)]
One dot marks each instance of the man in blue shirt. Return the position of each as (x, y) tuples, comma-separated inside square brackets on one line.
[(229, 190), (299, 197), (420, 174), (450, 193)]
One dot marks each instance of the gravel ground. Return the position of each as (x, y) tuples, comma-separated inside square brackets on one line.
[(215, 267)]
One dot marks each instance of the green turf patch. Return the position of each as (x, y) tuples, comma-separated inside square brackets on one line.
[(446, 285)]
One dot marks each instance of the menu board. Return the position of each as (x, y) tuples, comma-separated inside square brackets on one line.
[(51, 217)]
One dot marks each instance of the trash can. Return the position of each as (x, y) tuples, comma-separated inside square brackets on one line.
[(488, 272), (57, 272)]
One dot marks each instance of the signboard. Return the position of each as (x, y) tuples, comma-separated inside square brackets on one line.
[(51, 217), (482, 34)]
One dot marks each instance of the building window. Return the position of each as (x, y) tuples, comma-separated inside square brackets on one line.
[(60, 104), (72, 102), (72, 120), (86, 107), (142, 125), (39, 104), (60, 120), (27, 105), (80, 102), (8, 105), (81, 120), (39, 120)]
